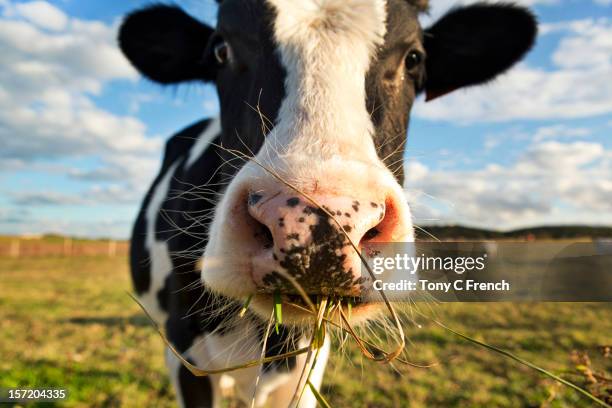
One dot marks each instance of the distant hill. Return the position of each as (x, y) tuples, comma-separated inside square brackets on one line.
[(552, 232)]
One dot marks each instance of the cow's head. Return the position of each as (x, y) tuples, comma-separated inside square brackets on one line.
[(320, 92)]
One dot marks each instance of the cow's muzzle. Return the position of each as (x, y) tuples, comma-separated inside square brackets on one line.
[(315, 241)]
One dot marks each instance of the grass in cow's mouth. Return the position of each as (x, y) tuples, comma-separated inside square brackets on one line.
[(349, 301), (401, 341), (246, 305), (278, 311)]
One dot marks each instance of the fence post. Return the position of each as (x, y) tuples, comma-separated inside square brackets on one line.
[(67, 246), (112, 248), (15, 248)]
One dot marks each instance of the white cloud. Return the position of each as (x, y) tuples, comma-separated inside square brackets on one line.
[(52, 66), (578, 87), (589, 45), (527, 93), (550, 182), (40, 13), (79, 58), (93, 196), (560, 158), (560, 131)]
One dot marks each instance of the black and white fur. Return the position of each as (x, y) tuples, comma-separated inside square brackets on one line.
[(333, 82)]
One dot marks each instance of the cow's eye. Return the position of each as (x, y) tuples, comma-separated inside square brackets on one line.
[(222, 52), (413, 59)]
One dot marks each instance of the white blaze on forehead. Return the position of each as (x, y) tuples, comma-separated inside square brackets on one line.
[(326, 47)]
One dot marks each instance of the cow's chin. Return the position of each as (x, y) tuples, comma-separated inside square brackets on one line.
[(239, 287), (296, 313)]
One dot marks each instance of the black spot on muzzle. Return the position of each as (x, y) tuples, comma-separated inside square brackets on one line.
[(319, 265)]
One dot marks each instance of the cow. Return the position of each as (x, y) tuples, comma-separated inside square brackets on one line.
[(314, 97)]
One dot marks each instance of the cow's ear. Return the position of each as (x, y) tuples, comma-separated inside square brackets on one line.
[(472, 44), (166, 44)]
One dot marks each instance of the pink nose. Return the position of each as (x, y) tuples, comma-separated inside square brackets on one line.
[(303, 240)]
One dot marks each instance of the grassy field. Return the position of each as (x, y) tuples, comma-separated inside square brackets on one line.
[(67, 322)]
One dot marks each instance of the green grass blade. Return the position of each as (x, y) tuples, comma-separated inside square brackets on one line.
[(322, 402), (278, 311), (528, 364), (319, 337), (349, 306), (245, 307)]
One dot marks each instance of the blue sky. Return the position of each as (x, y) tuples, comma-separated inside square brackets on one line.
[(82, 134)]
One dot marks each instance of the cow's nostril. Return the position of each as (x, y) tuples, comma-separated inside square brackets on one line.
[(266, 237), (387, 222), (371, 234), (262, 234)]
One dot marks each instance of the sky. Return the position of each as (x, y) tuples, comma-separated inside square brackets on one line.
[(81, 134)]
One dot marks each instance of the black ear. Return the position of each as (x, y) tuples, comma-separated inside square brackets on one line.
[(166, 44), (471, 45)]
